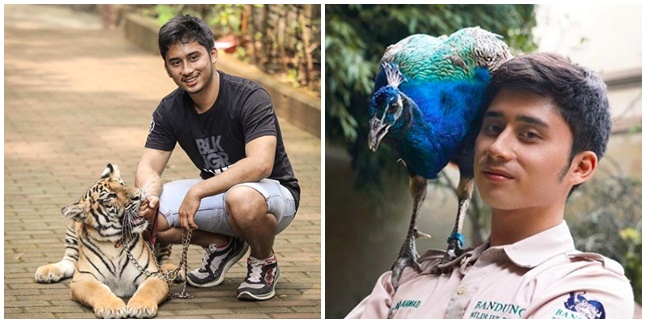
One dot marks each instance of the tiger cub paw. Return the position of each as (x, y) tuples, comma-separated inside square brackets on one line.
[(168, 267), (111, 309), (140, 308), (54, 272)]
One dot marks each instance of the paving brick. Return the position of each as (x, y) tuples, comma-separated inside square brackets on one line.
[(31, 315), (12, 310), (242, 316), (28, 304), (291, 304), (204, 311), (296, 316), (265, 309), (85, 315), (69, 110)]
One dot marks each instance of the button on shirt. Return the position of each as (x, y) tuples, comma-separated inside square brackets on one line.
[(542, 276)]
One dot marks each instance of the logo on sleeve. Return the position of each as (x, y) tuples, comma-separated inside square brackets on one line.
[(152, 126), (581, 307)]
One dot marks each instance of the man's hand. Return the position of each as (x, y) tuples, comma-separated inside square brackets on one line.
[(187, 210), (148, 208)]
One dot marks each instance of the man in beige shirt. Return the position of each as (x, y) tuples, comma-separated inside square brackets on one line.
[(542, 135)]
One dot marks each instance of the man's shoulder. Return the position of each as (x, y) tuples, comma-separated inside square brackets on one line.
[(173, 97), (581, 270), (595, 259), (239, 81), (170, 102)]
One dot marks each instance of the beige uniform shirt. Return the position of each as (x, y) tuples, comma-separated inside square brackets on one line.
[(542, 276)]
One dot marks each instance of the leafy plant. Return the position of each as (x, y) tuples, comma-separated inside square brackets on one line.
[(226, 18), (605, 217), (166, 12)]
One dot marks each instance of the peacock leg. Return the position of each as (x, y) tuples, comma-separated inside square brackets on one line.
[(456, 240), (408, 253)]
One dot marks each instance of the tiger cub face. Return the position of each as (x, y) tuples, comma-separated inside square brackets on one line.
[(109, 208)]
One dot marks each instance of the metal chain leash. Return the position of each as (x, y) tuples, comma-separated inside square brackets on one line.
[(170, 276), (186, 241)]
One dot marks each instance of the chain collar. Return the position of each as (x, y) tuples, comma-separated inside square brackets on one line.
[(170, 276)]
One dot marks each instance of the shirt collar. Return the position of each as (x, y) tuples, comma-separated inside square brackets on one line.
[(540, 247), (527, 253)]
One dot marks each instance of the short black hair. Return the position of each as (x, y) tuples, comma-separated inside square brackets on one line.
[(579, 94), (184, 29)]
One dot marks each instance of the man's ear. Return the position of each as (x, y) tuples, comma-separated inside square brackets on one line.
[(584, 165), (214, 55)]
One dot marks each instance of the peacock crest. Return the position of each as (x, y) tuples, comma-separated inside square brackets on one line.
[(393, 76)]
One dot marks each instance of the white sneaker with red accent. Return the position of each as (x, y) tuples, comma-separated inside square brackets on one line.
[(261, 279)]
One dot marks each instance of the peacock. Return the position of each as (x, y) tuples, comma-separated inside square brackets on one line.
[(428, 95)]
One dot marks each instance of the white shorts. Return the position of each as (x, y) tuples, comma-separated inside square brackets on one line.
[(212, 215)]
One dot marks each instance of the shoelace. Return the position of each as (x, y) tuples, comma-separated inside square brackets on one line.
[(205, 259), (256, 271)]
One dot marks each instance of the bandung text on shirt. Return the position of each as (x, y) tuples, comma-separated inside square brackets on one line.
[(496, 310), (216, 160)]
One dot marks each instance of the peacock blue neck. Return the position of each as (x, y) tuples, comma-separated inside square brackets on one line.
[(444, 112)]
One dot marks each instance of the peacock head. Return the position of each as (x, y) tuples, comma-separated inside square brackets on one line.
[(387, 106)]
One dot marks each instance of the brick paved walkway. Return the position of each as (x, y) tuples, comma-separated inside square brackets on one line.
[(78, 97)]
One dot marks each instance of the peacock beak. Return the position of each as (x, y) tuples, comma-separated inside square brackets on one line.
[(378, 130)]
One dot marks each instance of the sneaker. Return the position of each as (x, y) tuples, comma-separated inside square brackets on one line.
[(216, 263), (262, 276)]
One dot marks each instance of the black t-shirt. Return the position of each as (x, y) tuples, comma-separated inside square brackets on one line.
[(216, 139)]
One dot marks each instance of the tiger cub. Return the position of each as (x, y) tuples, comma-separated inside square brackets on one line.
[(94, 254)]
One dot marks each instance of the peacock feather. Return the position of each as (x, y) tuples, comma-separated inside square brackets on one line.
[(428, 93)]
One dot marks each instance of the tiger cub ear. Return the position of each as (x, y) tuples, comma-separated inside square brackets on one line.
[(107, 172), (111, 171), (74, 211)]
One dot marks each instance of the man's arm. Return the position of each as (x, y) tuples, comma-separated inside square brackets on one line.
[(148, 178), (257, 164), (377, 304), (598, 290)]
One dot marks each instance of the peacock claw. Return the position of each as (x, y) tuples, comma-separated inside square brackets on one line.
[(398, 268), (453, 251), (408, 257)]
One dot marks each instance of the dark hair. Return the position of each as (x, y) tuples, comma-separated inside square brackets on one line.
[(578, 93), (184, 29)]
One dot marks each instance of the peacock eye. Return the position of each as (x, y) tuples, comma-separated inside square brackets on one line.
[(392, 107)]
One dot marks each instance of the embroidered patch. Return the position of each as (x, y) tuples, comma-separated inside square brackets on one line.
[(590, 309), (406, 303), (496, 310)]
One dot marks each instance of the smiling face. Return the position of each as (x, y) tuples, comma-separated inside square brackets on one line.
[(522, 152), (191, 66)]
